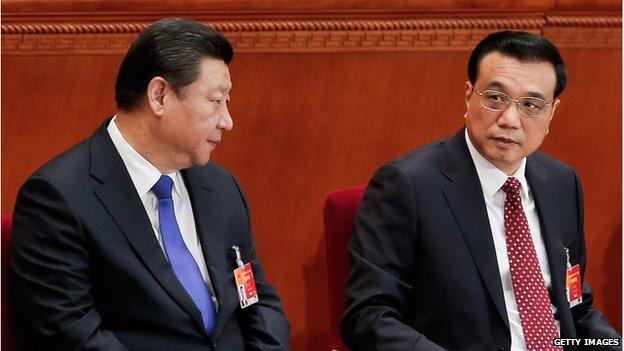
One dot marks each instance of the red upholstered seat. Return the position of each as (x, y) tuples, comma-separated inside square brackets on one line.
[(339, 215), (7, 221)]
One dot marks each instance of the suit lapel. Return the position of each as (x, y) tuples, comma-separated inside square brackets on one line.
[(212, 230), (465, 198), (118, 195), (548, 213)]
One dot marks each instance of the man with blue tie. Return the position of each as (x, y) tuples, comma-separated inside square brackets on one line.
[(475, 242), (130, 239)]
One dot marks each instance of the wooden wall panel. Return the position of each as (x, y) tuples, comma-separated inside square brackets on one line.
[(311, 133), (324, 93)]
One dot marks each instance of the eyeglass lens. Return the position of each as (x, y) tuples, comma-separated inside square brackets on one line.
[(498, 101)]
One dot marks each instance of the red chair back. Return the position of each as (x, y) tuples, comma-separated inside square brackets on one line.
[(6, 224), (339, 217)]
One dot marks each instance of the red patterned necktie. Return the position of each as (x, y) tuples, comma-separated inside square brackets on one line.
[(529, 288)]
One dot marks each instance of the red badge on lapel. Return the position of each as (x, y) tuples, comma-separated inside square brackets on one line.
[(245, 282), (573, 285), (246, 286)]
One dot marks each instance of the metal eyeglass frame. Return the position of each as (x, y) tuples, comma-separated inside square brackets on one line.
[(509, 99)]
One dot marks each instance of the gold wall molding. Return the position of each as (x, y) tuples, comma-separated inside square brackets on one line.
[(282, 26), (318, 35), (584, 21)]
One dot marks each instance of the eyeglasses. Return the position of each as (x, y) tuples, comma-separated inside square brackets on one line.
[(494, 100)]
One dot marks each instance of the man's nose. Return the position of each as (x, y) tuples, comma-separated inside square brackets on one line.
[(510, 116), (226, 122)]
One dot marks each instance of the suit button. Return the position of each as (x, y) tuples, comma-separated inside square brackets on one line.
[(213, 345)]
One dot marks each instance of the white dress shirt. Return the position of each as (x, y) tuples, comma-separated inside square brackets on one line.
[(144, 175), (492, 179)]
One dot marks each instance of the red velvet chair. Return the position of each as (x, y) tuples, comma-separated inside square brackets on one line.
[(339, 216), (7, 221)]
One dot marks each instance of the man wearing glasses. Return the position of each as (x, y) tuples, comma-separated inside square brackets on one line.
[(476, 242)]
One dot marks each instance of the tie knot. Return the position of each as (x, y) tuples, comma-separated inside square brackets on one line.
[(162, 188), (512, 185)]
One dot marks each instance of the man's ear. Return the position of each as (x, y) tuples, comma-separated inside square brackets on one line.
[(468, 93), (155, 95), (552, 114), (555, 105)]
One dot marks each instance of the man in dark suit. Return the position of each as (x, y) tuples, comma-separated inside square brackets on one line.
[(129, 240), (466, 243)]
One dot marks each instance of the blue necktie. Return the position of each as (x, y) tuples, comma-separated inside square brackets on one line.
[(181, 260)]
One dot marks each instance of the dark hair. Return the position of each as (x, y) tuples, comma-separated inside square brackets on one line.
[(170, 48), (523, 46)]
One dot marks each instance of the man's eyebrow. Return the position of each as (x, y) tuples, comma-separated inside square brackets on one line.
[(496, 84), (501, 86), (536, 95)]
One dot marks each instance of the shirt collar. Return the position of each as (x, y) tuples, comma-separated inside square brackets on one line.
[(492, 178), (143, 174)]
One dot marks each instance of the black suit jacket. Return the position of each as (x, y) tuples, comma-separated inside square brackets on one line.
[(89, 274), (424, 273)]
